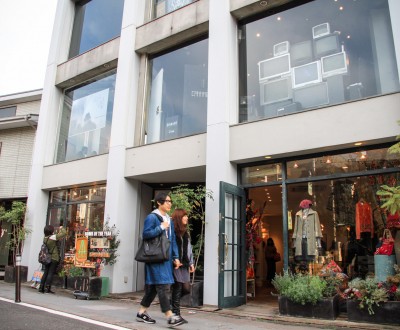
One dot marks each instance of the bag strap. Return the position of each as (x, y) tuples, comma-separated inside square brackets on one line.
[(48, 237)]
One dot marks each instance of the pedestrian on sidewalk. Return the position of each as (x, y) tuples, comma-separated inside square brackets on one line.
[(158, 276), (50, 239), (182, 273)]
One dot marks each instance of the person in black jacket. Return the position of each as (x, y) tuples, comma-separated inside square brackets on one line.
[(50, 239)]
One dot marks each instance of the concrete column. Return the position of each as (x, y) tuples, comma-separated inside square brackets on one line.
[(122, 197), (222, 105), (46, 136)]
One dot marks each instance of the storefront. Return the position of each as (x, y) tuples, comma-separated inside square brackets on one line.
[(342, 187)]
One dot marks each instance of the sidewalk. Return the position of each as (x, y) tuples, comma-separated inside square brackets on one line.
[(120, 309)]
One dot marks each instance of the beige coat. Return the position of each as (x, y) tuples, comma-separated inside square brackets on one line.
[(313, 229)]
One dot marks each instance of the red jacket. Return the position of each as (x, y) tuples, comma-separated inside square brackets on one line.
[(364, 221)]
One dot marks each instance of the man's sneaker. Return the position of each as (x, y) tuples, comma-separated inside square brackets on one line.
[(175, 320), (144, 317)]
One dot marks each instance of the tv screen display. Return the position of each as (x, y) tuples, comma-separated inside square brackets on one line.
[(307, 74), (312, 96), (321, 30), (334, 64), (281, 48), (326, 45), (275, 90), (301, 53), (274, 67)]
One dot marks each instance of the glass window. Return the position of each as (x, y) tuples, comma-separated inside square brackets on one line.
[(162, 7), (262, 173), (8, 112), (177, 104), (314, 55), (96, 22), (86, 119), (344, 163), (78, 210)]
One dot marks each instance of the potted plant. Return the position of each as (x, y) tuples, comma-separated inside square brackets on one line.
[(193, 201), (372, 301), (15, 217), (305, 295)]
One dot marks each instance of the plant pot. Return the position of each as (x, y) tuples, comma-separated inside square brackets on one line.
[(195, 297), (388, 312), (90, 287), (327, 308), (10, 274), (384, 266), (80, 283)]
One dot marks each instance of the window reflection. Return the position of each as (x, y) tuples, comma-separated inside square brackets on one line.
[(343, 163), (177, 104), (96, 22), (86, 119), (262, 173), (319, 54), (162, 7)]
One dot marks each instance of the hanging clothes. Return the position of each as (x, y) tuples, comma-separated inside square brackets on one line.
[(364, 219)]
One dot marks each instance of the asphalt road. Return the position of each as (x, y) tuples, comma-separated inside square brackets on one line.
[(19, 317)]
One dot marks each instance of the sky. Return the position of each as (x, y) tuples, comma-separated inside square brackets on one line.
[(25, 33)]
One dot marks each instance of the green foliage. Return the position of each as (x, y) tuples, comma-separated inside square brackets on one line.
[(71, 271), (193, 201), (332, 285), (300, 288), (16, 217), (391, 198), (391, 195), (368, 292)]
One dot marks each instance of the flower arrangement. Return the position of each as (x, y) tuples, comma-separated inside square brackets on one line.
[(368, 292)]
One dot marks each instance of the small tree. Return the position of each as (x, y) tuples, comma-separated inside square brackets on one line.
[(193, 201), (16, 217)]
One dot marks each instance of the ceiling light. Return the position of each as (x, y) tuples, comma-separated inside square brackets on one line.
[(358, 143), (267, 157), (296, 165), (328, 161), (263, 3)]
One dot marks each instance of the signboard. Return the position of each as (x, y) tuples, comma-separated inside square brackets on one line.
[(81, 249), (99, 243)]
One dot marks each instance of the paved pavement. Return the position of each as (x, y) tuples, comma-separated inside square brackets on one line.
[(119, 310)]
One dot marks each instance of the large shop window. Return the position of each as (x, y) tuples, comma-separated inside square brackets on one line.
[(343, 191), (78, 210), (96, 22), (86, 119), (318, 54), (177, 104), (163, 7)]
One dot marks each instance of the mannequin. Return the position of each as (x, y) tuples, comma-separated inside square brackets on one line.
[(307, 232)]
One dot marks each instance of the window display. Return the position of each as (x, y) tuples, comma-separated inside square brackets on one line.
[(338, 55)]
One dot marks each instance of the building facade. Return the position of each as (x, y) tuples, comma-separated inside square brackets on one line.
[(19, 115), (276, 101)]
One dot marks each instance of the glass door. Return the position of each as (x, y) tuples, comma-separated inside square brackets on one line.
[(232, 263)]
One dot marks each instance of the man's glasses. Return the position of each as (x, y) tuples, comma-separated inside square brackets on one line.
[(166, 201)]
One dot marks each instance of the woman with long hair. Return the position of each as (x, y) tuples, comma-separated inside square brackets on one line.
[(270, 252), (181, 273)]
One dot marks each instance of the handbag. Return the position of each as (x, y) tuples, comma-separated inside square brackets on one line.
[(153, 250), (387, 244), (277, 257)]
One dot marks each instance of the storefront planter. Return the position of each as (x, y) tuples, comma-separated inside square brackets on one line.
[(388, 312), (60, 281), (10, 273), (327, 308), (195, 297)]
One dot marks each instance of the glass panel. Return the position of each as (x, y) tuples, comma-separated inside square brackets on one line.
[(228, 280), (86, 119), (321, 53), (8, 112), (262, 173), (59, 196), (229, 233), (177, 104), (162, 7), (344, 163), (96, 22), (350, 216), (57, 216)]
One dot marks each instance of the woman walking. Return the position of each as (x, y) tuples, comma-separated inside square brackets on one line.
[(181, 273)]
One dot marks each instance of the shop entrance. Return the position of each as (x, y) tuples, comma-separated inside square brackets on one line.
[(264, 225)]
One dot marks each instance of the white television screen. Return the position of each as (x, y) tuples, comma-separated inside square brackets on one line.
[(281, 48), (276, 90), (321, 30), (274, 67), (327, 45), (306, 74), (334, 64)]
